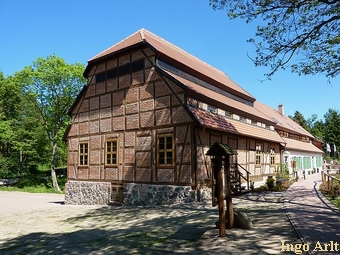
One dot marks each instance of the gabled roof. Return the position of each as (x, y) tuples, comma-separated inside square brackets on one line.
[(233, 105), (179, 58), (170, 52), (282, 122)]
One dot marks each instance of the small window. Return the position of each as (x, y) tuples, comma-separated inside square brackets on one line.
[(165, 150), (212, 109), (112, 73), (83, 154), (100, 77), (111, 153), (228, 114), (192, 102), (272, 154), (258, 153), (137, 65), (124, 69)]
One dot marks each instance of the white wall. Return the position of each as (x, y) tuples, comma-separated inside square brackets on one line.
[(289, 157)]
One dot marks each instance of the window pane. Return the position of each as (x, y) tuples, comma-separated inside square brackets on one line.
[(112, 73), (169, 158), (138, 65), (169, 142), (162, 158), (161, 143), (100, 77), (111, 152), (124, 69)]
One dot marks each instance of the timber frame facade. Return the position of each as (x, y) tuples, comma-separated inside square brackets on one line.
[(141, 128)]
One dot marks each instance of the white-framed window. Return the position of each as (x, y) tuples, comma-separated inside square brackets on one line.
[(272, 154), (258, 154)]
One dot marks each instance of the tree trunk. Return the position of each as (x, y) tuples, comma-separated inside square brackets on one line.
[(53, 163)]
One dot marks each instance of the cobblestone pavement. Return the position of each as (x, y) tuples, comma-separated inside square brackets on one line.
[(42, 224)]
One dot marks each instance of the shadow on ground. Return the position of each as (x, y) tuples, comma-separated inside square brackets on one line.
[(175, 229)]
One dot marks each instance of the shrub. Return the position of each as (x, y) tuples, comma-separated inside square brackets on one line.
[(270, 183), (282, 171)]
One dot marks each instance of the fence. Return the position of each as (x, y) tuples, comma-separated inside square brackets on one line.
[(330, 182)]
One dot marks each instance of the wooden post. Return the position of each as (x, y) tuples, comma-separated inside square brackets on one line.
[(247, 180), (230, 210), (332, 188), (220, 196), (328, 188)]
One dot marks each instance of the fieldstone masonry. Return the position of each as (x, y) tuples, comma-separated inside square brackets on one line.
[(98, 193), (145, 194), (87, 193)]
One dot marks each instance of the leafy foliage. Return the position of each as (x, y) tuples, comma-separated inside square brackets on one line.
[(33, 115), (299, 118), (308, 30), (50, 85), (332, 124), (17, 132)]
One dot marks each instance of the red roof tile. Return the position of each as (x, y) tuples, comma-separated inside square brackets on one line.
[(180, 56), (233, 104), (301, 146), (282, 122), (217, 122)]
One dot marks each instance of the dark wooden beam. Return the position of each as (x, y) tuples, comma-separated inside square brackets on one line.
[(220, 195), (229, 202)]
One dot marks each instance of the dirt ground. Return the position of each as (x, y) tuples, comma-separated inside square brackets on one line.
[(42, 224)]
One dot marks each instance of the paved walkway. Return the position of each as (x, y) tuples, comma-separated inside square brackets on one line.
[(315, 218)]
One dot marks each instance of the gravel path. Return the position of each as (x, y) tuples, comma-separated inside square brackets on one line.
[(42, 224)]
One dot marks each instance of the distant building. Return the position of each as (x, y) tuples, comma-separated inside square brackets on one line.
[(300, 146), (141, 127)]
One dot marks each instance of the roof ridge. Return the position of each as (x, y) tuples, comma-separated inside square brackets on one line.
[(108, 49), (142, 33), (180, 49), (285, 120)]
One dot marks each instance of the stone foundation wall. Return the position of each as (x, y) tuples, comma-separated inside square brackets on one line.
[(146, 194), (87, 193), (98, 193)]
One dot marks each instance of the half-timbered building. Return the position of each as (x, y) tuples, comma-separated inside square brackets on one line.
[(141, 127)]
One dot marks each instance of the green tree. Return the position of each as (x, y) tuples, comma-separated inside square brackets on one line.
[(10, 164), (309, 29), (51, 85), (22, 141), (298, 117), (332, 124), (316, 126)]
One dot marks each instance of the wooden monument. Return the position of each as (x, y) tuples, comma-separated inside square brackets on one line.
[(220, 158)]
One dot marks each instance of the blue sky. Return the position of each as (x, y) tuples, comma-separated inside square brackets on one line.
[(77, 30)]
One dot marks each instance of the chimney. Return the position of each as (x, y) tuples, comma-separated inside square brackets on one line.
[(281, 109)]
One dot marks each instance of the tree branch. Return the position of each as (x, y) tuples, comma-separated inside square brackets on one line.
[(329, 2)]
